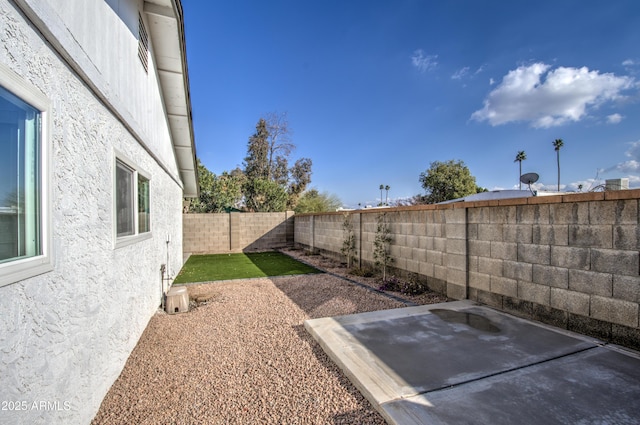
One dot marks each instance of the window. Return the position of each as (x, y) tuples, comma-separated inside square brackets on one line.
[(133, 215), (124, 199), (24, 227), (144, 218)]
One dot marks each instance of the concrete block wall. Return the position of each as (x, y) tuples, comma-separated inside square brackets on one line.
[(264, 231), (206, 233), (236, 232), (569, 260)]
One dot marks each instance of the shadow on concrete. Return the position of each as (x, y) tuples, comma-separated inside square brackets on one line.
[(460, 362)]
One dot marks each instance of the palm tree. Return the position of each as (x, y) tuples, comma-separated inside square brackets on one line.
[(386, 201), (557, 144), (381, 189), (521, 156)]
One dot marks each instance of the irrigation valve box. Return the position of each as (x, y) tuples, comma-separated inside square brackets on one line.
[(177, 300)]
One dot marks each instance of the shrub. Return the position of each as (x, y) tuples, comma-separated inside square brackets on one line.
[(382, 245), (349, 243), (412, 286), (362, 272)]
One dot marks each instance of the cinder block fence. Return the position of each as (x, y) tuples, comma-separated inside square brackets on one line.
[(236, 232), (569, 260)]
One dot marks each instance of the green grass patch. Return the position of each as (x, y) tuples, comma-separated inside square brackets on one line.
[(206, 268)]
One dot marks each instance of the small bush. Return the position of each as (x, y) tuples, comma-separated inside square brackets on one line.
[(349, 243), (382, 245), (412, 286), (362, 272)]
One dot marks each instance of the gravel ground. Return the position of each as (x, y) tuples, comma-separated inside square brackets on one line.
[(340, 269), (241, 355)]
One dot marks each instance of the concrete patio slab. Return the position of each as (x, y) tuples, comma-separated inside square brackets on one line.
[(460, 362)]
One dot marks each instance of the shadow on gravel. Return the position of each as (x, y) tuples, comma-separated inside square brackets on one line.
[(334, 297)]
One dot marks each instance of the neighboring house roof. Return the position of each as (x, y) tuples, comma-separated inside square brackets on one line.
[(166, 30), (501, 194)]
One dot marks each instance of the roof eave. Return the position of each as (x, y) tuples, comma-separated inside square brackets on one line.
[(166, 30)]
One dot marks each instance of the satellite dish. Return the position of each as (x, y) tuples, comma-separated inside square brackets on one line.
[(529, 178)]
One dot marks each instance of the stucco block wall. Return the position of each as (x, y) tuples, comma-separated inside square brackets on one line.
[(65, 335), (237, 232), (569, 260)]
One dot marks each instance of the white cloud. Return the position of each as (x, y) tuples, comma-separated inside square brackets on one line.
[(628, 62), (423, 62), (466, 72), (634, 181), (632, 164), (629, 166), (583, 185), (614, 118), (461, 73), (548, 98), (491, 81)]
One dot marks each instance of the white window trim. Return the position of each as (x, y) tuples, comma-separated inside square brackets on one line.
[(24, 268), (122, 241)]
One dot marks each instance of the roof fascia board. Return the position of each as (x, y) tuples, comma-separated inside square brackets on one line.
[(45, 19)]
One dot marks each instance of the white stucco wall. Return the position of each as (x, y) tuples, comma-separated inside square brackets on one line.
[(107, 32), (65, 335)]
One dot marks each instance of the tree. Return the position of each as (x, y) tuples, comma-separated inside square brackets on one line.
[(313, 201), (382, 245), (381, 189), (263, 195), (349, 242), (557, 144), (279, 144), (256, 164), (386, 200), (447, 180), (217, 193), (300, 177), (267, 166), (520, 156)]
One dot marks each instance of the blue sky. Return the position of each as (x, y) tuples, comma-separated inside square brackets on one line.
[(375, 91)]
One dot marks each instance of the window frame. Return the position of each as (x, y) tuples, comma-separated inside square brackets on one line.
[(14, 271), (137, 172)]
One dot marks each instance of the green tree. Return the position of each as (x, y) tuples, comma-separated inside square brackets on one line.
[(520, 156), (299, 179), (448, 180), (312, 201), (557, 144), (256, 164), (267, 160), (217, 193), (263, 195), (386, 199), (381, 189)]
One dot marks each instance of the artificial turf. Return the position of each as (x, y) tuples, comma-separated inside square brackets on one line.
[(207, 268)]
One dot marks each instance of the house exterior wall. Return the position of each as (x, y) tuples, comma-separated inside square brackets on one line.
[(572, 261), (65, 335)]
